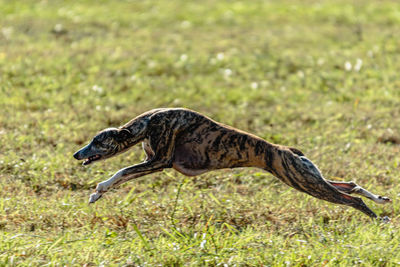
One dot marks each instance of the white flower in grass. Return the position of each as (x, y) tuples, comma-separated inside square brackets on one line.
[(186, 24), (203, 243), (58, 27), (254, 85), (347, 66), (227, 73), (358, 64), (220, 56), (97, 88), (7, 32), (151, 64), (183, 57)]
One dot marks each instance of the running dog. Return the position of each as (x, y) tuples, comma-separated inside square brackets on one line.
[(192, 144)]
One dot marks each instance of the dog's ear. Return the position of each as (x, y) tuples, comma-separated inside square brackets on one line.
[(123, 135), (296, 151)]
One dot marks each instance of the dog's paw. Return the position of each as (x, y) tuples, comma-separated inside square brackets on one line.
[(102, 187), (384, 200), (94, 197), (385, 219)]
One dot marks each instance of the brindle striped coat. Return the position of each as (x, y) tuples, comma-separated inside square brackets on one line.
[(193, 144)]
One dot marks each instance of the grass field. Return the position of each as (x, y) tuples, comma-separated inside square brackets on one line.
[(321, 76)]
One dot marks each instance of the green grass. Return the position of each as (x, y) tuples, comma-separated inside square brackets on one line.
[(278, 69)]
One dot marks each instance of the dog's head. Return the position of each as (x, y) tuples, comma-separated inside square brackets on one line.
[(105, 144)]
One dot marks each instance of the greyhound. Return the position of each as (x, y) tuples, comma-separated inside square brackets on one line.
[(192, 144)]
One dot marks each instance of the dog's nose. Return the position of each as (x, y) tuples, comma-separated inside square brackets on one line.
[(76, 155)]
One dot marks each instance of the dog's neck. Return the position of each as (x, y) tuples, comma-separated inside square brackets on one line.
[(128, 141)]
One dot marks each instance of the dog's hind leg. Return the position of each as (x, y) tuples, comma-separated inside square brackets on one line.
[(302, 174), (351, 187)]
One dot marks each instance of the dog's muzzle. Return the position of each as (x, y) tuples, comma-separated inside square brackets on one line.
[(82, 153), (87, 155), (77, 155)]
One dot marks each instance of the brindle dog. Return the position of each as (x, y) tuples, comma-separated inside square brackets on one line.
[(193, 144)]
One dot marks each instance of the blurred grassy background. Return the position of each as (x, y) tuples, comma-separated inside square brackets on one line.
[(318, 75)]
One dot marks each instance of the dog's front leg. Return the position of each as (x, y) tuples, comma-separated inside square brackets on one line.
[(125, 175)]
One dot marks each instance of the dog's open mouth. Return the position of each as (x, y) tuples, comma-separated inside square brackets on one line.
[(91, 159)]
